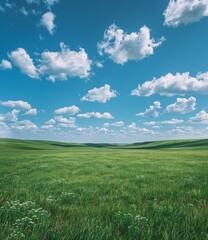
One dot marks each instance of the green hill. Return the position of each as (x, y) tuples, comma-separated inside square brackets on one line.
[(6, 144)]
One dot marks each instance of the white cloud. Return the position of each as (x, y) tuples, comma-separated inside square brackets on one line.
[(65, 122), (24, 125), (47, 126), (152, 123), (62, 119), (67, 125), (48, 3), (65, 64), (2, 9), (172, 122), (6, 5), (156, 127), (201, 118), (24, 62), (50, 122), (104, 130), (118, 124), (102, 94), (115, 124), (122, 47), (68, 110), (47, 21), (132, 126), (9, 5), (170, 85), (99, 64), (104, 115), (33, 1), (151, 111), (32, 111), (11, 116), (5, 64), (182, 105), (55, 65), (185, 12), (16, 104), (24, 11)]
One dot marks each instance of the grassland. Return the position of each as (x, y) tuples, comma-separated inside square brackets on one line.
[(142, 191)]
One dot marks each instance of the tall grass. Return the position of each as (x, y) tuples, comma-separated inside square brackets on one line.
[(48, 191)]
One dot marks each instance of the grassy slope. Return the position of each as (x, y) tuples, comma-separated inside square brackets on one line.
[(52, 145), (96, 191)]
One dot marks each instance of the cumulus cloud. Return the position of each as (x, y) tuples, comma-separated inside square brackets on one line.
[(62, 119), (17, 107), (182, 105), (5, 65), (185, 12), (133, 128), (16, 104), (151, 111), (122, 47), (24, 125), (65, 64), (24, 62), (67, 110), (11, 116), (50, 122), (170, 85), (65, 122), (201, 118), (32, 111), (104, 115), (183, 130), (102, 94), (47, 21)]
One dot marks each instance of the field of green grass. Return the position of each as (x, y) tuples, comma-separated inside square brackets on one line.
[(142, 191)]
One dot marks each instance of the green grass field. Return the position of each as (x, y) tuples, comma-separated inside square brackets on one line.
[(142, 191)]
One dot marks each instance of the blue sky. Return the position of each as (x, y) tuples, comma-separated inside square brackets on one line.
[(104, 71)]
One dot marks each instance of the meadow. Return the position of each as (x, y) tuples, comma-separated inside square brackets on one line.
[(142, 191)]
